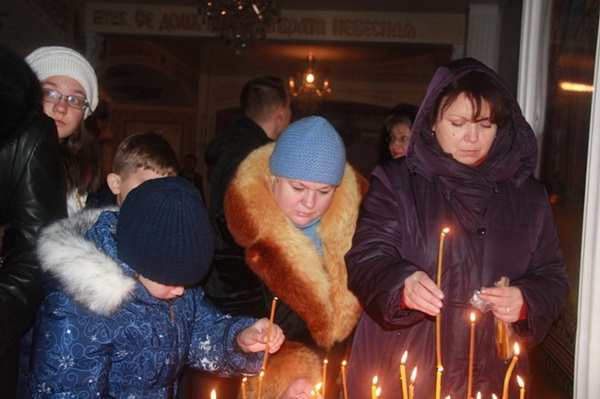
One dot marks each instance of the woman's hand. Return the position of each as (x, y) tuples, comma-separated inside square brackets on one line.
[(422, 294), (254, 338), (506, 302)]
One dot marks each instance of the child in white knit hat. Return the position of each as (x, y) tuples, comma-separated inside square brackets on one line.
[(70, 94)]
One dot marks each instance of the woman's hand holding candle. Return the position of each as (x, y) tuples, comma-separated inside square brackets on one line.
[(422, 293)]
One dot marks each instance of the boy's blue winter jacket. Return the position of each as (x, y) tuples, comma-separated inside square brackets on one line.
[(99, 332)]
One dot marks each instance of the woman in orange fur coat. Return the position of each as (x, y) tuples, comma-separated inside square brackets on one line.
[(292, 206)]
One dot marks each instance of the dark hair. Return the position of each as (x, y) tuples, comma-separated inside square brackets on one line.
[(145, 150), (402, 113), (477, 87), (260, 96), (81, 161)]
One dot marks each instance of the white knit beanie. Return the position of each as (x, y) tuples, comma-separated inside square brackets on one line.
[(62, 61)]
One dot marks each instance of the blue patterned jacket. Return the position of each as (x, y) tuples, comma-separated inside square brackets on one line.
[(100, 333)]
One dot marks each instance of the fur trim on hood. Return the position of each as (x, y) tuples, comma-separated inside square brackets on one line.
[(287, 261), (91, 278)]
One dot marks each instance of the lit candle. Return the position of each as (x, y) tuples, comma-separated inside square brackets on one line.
[(448, 397), (374, 388), (478, 395), (244, 387), (403, 375), (494, 396), (324, 376), (411, 387), (522, 385), (509, 371), (264, 362), (440, 255), (438, 318), (260, 381), (213, 394), (438, 382), (318, 388), (471, 354), (344, 386)]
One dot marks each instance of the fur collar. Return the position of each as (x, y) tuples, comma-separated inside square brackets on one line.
[(91, 278), (314, 286)]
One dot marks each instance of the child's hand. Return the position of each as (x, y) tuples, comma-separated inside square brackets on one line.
[(254, 338), (300, 388)]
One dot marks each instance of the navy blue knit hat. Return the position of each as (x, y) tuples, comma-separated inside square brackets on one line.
[(163, 232), (310, 149)]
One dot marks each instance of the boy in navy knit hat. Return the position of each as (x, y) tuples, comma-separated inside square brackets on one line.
[(120, 322)]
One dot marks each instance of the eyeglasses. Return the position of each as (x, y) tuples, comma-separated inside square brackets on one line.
[(400, 139), (53, 96)]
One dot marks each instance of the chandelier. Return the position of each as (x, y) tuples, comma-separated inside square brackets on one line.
[(311, 89), (239, 22)]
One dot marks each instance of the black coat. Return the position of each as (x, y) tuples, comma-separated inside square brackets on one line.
[(31, 194), (224, 154), (501, 224)]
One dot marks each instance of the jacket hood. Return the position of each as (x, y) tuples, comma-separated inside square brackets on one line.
[(512, 156), (286, 260), (86, 274)]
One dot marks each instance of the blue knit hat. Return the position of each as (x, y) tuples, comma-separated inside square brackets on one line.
[(163, 232), (311, 150)]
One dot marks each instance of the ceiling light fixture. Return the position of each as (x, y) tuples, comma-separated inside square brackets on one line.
[(239, 22), (312, 87)]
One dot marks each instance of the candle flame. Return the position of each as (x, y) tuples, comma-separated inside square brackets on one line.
[(325, 361), (262, 374), (520, 381), (403, 360), (478, 395), (213, 394), (344, 363), (440, 369), (318, 386), (375, 380), (446, 230), (378, 391), (413, 376), (472, 317), (244, 379), (448, 397), (517, 352), (494, 396)]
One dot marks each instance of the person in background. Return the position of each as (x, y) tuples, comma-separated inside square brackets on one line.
[(139, 157), (469, 168), (265, 105), (31, 195), (396, 132), (70, 94), (188, 172), (121, 320), (292, 206)]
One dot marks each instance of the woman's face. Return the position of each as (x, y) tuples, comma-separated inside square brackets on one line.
[(466, 139), (302, 201), (67, 119), (398, 140)]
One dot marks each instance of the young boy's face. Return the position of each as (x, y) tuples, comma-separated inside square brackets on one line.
[(122, 186), (161, 291)]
